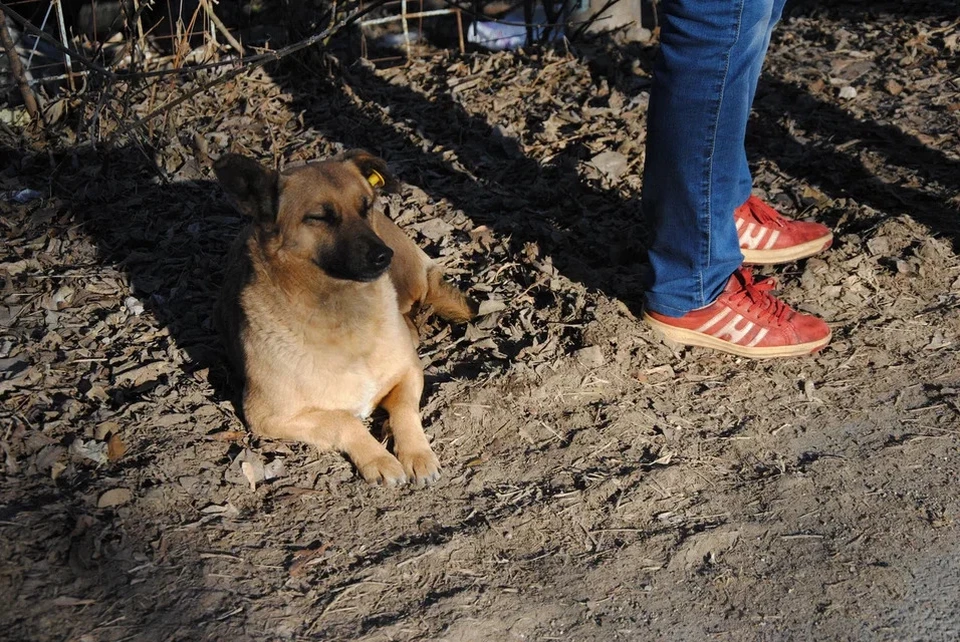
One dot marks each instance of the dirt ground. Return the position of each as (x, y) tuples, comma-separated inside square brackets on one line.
[(597, 483)]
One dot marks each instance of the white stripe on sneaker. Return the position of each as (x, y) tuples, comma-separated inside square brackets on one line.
[(773, 239), (714, 321), (757, 339), (732, 333), (750, 241)]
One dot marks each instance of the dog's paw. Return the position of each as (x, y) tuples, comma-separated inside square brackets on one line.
[(421, 466), (383, 470)]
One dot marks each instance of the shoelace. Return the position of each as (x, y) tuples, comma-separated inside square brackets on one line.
[(758, 293), (763, 213)]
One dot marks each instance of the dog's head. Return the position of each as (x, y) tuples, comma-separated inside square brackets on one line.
[(319, 212)]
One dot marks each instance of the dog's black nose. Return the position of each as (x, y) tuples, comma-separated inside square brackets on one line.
[(380, 257)]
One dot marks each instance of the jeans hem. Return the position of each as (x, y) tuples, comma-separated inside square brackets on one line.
[(665, 310)]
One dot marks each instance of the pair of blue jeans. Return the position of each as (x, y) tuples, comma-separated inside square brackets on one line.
[(696, 172)]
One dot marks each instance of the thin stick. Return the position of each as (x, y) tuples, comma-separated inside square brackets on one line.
[(590, 21), (68, 63), (141, 39), (16, 68), (406, 30), (460, 31), (29, 27), (223, 29), (254, 62)]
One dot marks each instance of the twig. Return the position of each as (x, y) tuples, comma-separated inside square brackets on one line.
[(16, 68), (253, 63), (28, 26), (222, 27), (588, 23), (67, 61)]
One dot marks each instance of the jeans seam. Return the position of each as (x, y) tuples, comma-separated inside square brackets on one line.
[(713, 149)]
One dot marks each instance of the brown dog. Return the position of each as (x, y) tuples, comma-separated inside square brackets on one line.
[(317, 308)]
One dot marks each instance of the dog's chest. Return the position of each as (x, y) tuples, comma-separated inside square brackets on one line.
[(366, 394), (345, 357), (355, 380)]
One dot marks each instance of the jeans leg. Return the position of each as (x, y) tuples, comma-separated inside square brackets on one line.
[(704, 79), (746, 178)]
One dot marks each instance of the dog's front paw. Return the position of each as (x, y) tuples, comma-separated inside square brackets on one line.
[(421, 466), (383, 470)]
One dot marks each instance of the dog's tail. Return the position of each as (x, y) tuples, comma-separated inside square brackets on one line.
[(447, 301)]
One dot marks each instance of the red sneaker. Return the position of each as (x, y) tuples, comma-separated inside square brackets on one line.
[(746, 320), (767, 238)]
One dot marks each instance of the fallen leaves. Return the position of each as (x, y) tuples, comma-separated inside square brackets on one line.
[(90, 449), (304, 559), (114, 497), (115, 448), (250, 468)]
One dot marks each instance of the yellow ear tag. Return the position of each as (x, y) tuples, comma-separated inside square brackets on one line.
[(375, 179)]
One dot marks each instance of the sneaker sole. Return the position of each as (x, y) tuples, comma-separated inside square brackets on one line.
[(692, 338), (787, 254)]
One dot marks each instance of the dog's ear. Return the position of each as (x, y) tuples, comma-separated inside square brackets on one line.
[(251, 187), (373, 168)]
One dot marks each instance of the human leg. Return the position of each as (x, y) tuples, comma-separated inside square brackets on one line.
[(705, 76), (697, 189), (764, 32), (766, 237)]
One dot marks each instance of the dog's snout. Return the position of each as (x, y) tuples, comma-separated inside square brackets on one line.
[(380, 256), (357, 255)]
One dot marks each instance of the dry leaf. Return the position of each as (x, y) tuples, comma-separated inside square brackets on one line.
[(227, 435), (490, 306), (90, 449), (302, 559), (65, 600), (114, 497), (115, 448), (247, 468)]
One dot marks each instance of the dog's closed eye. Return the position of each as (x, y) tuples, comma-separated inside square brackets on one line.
[(327, 215)]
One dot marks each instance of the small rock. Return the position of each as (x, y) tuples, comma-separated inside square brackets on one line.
[(848, 92), (133, 306), (611, 164), (114, 497), (274, 470), (591, 356), (893, 87)]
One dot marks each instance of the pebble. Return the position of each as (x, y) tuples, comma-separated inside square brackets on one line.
[(133, 306), (611, 164), (591, 356)]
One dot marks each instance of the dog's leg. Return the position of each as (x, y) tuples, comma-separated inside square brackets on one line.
[(338, 430), (412, 327), (448, 302), (411, 445)]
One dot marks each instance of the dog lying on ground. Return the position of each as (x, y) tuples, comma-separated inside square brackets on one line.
[(317, 311)]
